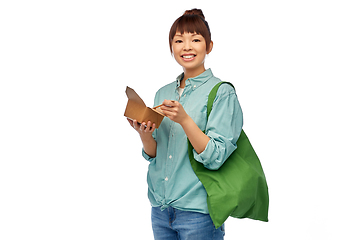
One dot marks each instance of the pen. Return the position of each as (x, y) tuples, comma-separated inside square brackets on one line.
[(163, 104)]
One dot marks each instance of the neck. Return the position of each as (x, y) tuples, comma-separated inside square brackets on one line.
[(191, 73)]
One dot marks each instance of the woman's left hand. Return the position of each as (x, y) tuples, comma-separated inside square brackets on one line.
[(174, 110)]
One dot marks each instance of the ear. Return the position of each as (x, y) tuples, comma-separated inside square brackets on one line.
[(210, 47)]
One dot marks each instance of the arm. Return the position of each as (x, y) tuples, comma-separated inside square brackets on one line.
[(223, 128), (176, 113), (149, 143), (197, 138)]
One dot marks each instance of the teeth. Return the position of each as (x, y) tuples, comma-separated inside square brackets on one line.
[(188, 56)]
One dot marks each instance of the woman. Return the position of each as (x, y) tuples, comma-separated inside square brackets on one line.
[(178, 199)]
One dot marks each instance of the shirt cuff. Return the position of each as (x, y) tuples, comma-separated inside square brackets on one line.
[(208, 157), (147, 157), (216, 152)]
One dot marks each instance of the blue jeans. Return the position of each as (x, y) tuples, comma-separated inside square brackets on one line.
[(174, 224)]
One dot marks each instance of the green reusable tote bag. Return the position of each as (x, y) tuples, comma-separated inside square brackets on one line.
[(238, 188)]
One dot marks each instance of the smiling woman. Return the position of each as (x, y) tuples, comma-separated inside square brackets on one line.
[(173, 185)]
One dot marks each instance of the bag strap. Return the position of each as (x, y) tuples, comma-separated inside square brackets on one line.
[(212, 96)]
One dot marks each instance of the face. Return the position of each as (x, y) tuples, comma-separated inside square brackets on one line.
[(189, 51)]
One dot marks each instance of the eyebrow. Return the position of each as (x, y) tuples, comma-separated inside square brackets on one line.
[(193, 34)]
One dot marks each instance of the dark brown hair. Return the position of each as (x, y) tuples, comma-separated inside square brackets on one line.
[(192, 21)]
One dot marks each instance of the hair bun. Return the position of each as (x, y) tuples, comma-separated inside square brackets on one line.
[(195, 11)]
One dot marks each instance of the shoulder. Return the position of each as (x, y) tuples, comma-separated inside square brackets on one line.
[(166, 89), (224, 87), (168, 86), (224, 90)]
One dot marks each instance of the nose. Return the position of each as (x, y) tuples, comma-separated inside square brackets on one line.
[(187, 46)]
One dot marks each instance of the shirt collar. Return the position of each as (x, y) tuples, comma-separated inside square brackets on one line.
[(196, 81)]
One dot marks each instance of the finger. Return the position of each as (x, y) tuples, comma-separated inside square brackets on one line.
[(131, 122), (169, 114), (143, 126), (169, 103), (148, 126), (136, 125), (153, 127), (167, 110)]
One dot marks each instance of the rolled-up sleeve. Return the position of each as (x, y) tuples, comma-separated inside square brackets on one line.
[(147, 157), (223, 128)]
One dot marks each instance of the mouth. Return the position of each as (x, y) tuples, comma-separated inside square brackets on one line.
[(188, 57)]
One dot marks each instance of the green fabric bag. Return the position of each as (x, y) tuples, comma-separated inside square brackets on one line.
[(238, 188)]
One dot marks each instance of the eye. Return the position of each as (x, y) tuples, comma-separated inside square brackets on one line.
[(196, 40), (178, 41)]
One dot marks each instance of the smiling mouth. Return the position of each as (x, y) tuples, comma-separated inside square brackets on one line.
[(188, 56)]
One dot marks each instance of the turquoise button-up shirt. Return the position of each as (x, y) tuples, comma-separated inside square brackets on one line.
[(171, 180)]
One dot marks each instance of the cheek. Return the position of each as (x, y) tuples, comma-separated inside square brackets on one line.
[(176, 48), (201, 50), (202, 53), (176, 53), (177, 58)]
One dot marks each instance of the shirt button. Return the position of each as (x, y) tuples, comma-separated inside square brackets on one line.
[(170, 157), (166, 179), (194, 86)]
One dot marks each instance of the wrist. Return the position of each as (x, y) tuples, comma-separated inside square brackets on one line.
[(186, 121), (146, 136)]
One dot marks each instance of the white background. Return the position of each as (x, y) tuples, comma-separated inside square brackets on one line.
[(71, 167)]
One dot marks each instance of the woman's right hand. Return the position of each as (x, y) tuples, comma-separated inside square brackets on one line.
[(146, 137), (143, 129)]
